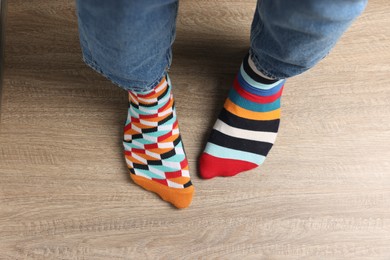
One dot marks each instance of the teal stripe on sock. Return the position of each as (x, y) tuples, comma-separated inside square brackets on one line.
[(156, 107), (157, 134), (253, 106), (139, 140), (227, 153), (256, 84), (170, 121), (150, 174), (164, 168), (176, 158), (160, 133)]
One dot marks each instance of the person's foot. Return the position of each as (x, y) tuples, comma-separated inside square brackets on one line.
[(247, 126), (153, 148)]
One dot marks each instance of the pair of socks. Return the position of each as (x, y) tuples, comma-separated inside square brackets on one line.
[(240, 140)]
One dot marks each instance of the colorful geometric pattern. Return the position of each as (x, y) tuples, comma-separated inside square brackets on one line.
[(153, 148), (247, 126)]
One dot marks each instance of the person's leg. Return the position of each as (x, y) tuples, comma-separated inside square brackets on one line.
[(129, 42), (287, 38)]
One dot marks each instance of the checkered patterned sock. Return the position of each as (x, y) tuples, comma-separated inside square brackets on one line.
[(153, 148)]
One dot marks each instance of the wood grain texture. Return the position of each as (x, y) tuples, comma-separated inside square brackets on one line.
[(65, 192)]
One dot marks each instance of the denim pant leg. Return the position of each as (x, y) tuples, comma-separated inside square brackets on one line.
[(128, 41), (290, 37)]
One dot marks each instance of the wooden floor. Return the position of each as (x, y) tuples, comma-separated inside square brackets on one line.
[(65, 192)]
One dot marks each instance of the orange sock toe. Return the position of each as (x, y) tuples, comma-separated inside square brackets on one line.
[(180, 198)]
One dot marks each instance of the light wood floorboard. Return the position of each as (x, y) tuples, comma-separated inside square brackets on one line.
[(65, 192)]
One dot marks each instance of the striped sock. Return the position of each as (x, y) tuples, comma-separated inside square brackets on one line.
[(153, 148), (247, 126)]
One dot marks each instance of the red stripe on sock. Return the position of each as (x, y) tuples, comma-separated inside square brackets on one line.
[(167, 105), (163, 137), (134, 120), (176, 124), (145, 96), (151, 146), (211, 166), (137, 150), (127, 127), (148, 116), (184, 163), (255, 98), (161, 109), (154, 90), (169, 134), (170, 175), (162, 181)]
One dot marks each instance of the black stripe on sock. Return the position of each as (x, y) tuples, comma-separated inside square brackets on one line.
[(137, 136), (168, 154), (235, 143), (167, 89), (249, 124), (144, 105), (140, 166), (254, 75), (153, 129), (149, 130), (134, 105), (171, 152), (154, 162), (177, 141), (166, 119), (188, 184)]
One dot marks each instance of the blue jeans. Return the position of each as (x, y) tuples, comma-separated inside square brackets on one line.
[(129, 41)]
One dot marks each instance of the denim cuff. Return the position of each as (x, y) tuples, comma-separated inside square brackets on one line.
[(128, 85), (260, 67)]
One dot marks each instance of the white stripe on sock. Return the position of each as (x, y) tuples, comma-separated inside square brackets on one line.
[(185, 173), (267, 137), (161, 87), (173, 184), (147, 100)]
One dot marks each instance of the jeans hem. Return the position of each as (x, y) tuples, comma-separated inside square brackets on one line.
[(125, 84), (265, 72)]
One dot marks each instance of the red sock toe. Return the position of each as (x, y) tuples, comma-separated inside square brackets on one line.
[(211, 166)]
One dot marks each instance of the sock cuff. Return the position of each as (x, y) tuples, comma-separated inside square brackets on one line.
[(163, 81), (251, 81), (250, 68)]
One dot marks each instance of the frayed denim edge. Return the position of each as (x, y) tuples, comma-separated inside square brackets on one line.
[(138, 89)]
